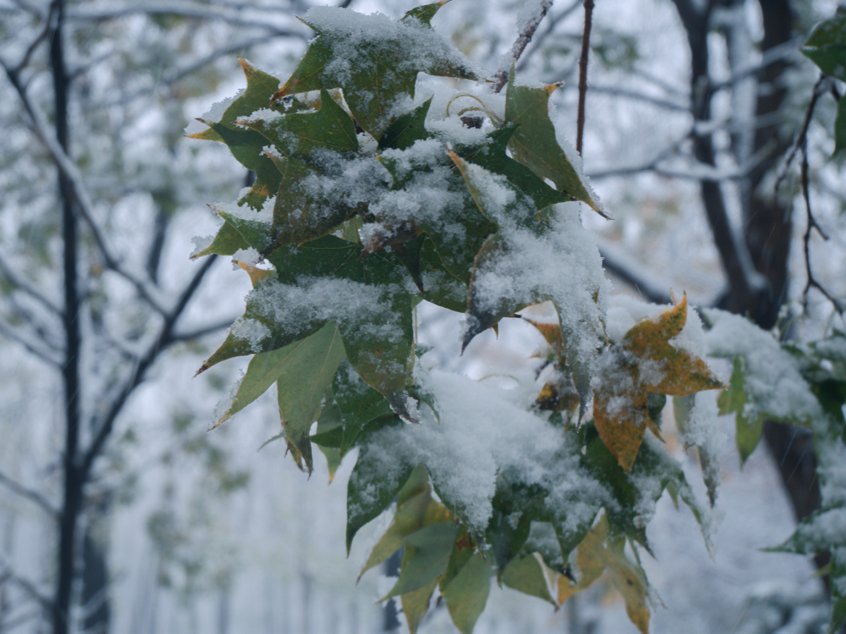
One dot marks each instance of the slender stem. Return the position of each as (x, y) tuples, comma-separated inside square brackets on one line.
[(583, 72)]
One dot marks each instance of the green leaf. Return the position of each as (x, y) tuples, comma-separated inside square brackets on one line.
[(467, 593), (406, 129), (534, 142), (255, 233), (370, 491), (733, 400), (826, 46), (840, 127), (226, 242), (528, 575), (246, 146), (415, 604), (838, 616), (426, 557), (301, 133), (493, 156), (415, 509), (304, 372), (423, 13), (379, 68)]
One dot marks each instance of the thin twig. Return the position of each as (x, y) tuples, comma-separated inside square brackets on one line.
[(523, 38), (811, 224), (29, 494), (164, 339), (80, 194), (42, 35), (32, 347), (583, 72), (19, 283), (202, 331)]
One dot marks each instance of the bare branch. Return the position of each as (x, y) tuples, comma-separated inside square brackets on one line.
[(202, 331), (619, 266), (583, 71), (179, 9), (20, 284), (29, 494), (551, 23), (525, 36), (36, 42), (164, 339), (31, 346), (26, 585), (189, 69), (85, 206), (629, 93)]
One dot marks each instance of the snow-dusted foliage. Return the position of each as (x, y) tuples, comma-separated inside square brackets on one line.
[(381, 200)]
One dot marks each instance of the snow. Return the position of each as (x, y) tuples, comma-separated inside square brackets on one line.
[(773, 384), (315, 300), (482, 431), (563, 265), (347, 32)]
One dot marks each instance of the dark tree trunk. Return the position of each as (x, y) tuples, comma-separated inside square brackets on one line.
[(764, 248), (72, 493)]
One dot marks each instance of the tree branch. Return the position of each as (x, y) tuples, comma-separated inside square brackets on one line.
[(19, 283), (164, 339), (31, 347), (178, 9), (525, 36), (29, 494), (616, 264), (78, 192), (583, 73)]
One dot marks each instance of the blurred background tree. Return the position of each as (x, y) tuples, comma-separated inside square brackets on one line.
[(119, 513)]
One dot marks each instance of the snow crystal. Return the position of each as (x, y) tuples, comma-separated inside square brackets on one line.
[(242, 212), (773, 384), (480, 434)]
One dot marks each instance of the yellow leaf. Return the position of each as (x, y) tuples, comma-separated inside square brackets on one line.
[(682, 374), (645, 362)]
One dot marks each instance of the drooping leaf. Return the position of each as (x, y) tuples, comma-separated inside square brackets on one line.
[(426, 557), (312, 359), (467, 593), (369, 492), (534, 141), (600, 552), (529, 575), (733, 401), (415, 604), (415, 509)]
